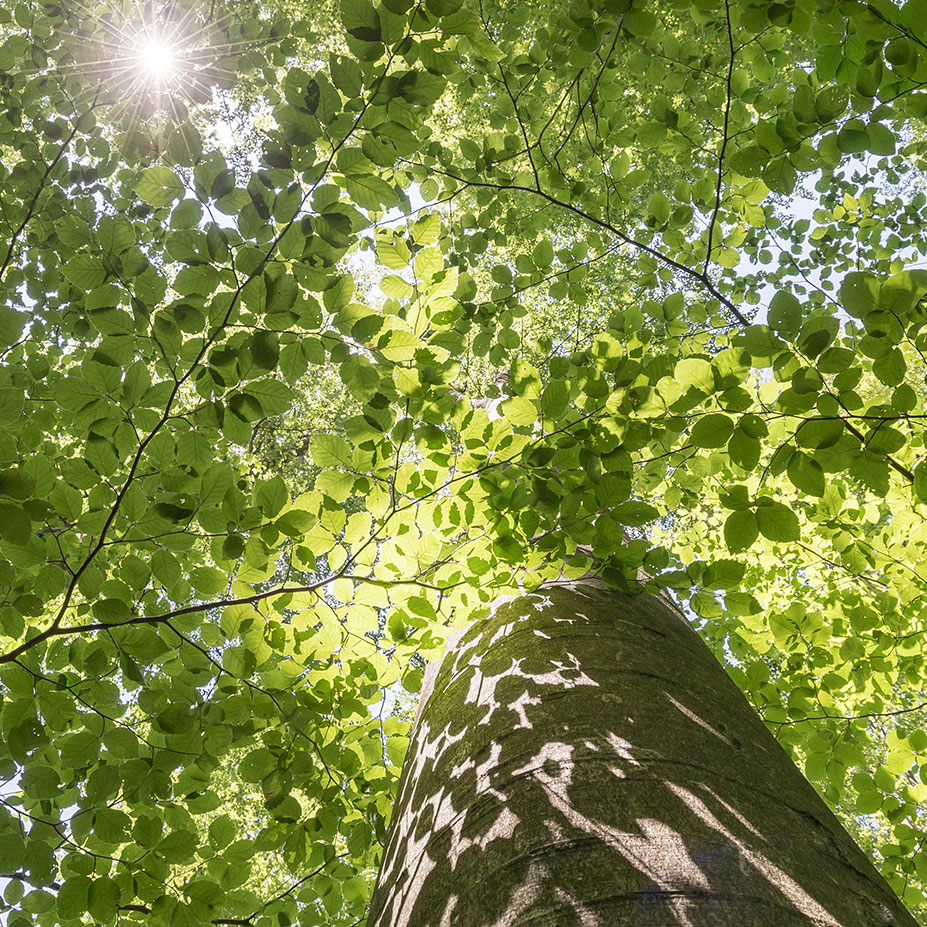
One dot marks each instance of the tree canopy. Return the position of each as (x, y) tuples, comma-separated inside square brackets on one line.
[(334, 326)]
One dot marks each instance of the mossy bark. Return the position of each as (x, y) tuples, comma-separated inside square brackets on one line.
[(581, 758)]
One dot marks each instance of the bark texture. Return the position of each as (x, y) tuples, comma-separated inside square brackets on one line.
[(581, 758)]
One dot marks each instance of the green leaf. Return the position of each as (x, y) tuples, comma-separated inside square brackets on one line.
[(399, 346), (178, 846), (73, 897), (257, 764), (543, 253), (853, 137), (443, 7), (208, 581), (743, 449), (750, 160), (15, 524), (694, 371), (394, 254), (831, 103), (360, 376), (274, 396), (421, 88), (222, 831), (11, 325), (712, 430), (723, 574), (16, 483), (233, 547), (271, 495), (639, 22), (186, 214), (370, 192), (111, 825), (859, 294), (361, 20), (330, 451), (115, 234), (705, 605), (519, 411), (784, 315), (428, 262), (281, 293), (159, 186), (427, 229), (85, 271), (869, 802), (740, 530), (659, 208), (806, 474), (819, 433), (112, 611), (147, 830), (776, 521), (103, 899), (346, 75), (635, 513), (920, 481)]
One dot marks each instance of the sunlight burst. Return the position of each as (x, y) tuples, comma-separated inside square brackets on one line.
[(151, 59), (157, 58)]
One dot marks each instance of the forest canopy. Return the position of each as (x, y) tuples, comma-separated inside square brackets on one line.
[(325, 328)]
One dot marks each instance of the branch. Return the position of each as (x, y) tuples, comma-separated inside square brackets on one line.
[(240, 921), (207, 344), (700, 276), (724, 136), (56, 630), (30, 210), (861, 717)]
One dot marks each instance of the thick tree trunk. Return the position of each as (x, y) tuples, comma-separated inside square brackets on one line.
[(581, 758)]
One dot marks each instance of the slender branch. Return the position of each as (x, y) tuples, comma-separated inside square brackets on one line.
[(30, 210), (595, 83), (905, 32), (521, 125), (860, 717), (235, 921), (179, 382), (700, 276), (724, 136)]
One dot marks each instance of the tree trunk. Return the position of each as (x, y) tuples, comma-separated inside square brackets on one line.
[(581, 758)]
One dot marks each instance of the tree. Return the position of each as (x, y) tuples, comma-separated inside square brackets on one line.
[(581, 757), (689, 236)]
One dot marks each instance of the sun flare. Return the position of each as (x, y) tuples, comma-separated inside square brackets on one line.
[(157, 58), (152, 59)]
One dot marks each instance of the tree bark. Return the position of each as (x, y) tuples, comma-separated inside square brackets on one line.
[(581, 758)]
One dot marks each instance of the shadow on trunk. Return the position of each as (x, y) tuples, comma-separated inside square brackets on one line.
[(581, 758)]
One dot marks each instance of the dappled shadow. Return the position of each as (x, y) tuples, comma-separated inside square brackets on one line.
[(583, 759)]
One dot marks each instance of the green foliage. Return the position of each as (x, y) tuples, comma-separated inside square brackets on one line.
[(256, 457)]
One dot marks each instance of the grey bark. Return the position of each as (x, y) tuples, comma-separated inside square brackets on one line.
[(581, 758)]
